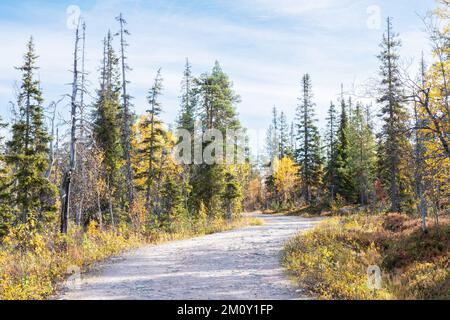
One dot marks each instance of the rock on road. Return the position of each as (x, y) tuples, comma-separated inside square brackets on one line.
[(240, 264)]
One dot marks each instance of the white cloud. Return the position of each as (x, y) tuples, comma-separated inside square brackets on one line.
[(294, 7), (265, 60)]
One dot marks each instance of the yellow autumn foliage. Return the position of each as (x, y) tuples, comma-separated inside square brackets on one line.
[(285, 178), (332, 261)]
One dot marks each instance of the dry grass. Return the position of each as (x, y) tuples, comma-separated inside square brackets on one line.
[(33, 264), (332, 260)]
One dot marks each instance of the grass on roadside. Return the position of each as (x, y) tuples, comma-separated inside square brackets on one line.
[(33, 264), (331, 262)]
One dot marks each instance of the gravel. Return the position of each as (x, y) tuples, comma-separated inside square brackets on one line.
[(235, 265)]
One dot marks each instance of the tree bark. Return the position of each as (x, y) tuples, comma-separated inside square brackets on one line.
[(72, 161)]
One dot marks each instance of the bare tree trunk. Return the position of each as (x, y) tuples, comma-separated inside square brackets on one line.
[(51, 151), (72, 161), (110, 204), (99, 213), (82, 132), (158, 188)]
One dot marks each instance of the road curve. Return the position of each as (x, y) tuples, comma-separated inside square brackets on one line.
[(235, 265)]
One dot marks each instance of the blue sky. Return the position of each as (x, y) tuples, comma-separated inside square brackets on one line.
[(264, 45)]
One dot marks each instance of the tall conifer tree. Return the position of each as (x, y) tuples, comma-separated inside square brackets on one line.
[(331, 146), (32, 194), (394, 146), (344, 182), (106, 123), (308, 153)]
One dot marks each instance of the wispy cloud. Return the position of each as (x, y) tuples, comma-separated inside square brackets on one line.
[(294, 7), (264, 45)]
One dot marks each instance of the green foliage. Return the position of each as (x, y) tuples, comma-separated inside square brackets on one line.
[(107, 131), (308, 154), (393, 146), (6, 212), (284, 136), (363, 158), (106, 115), (210, 183), (217, 100), (344, 182), (186, 118), (31, 194), (232, 194), (331, 145)]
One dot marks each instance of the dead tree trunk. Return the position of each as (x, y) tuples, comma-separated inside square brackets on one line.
[(67, 180), (81, 141)]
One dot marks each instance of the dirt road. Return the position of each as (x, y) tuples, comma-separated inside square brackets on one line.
[(239, 264)]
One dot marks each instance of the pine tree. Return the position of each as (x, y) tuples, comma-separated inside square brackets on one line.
[(106, 123), (32, 194), (394, 146), (308, 153), (217, 100), (217, 111)]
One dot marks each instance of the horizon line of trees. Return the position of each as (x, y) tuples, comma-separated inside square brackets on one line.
[(404, 166), (112, 166)]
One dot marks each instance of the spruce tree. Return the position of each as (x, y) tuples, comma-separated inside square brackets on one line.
[(172, 195), (362, 155), (331, 146), (32, 194), (126, 113), (231, 194), (6, 212), (275, 133), (186, 118), (344, 182), (394, 146), (153, 144), (283, 135), (308, 153), (269, 145), (106, 123), (292, 141), (273, 142)]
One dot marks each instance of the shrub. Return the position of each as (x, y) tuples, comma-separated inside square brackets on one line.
[(331, 261)]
